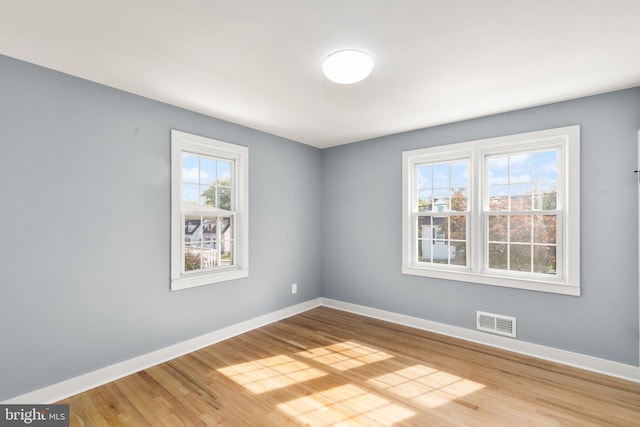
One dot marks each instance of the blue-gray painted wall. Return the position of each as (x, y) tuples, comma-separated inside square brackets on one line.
[(362, 216), (84, 229), (85, 232)]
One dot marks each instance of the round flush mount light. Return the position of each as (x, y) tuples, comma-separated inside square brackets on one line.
[(347, 66)]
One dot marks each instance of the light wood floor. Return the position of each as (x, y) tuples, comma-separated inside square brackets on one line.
[(327, 367)]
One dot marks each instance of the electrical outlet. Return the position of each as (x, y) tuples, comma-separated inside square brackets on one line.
[(294, 288)]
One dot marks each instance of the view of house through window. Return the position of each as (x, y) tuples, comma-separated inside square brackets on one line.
[(206, 186), (207, 242), (209, 211), (501, 211), (442, 219)]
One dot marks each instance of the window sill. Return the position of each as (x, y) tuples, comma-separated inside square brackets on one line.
[(551, 286), (222, 275)]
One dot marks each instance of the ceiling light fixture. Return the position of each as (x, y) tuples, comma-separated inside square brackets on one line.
[(347, 66)]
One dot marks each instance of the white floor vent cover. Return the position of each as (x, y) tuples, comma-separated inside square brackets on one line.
[(497, 324)]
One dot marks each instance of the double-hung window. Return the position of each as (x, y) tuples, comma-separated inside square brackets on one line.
[(209, 211), (502, 211)]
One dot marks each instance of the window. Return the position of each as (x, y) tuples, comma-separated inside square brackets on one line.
[(502, 211), (209, 211), (442, 194)]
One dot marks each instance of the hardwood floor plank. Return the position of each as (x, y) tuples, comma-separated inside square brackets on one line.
[(108, 406), (327, 367)]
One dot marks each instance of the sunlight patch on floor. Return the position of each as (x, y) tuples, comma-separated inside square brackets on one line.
[(345, 355), (345, 405), (425, 386), (271, 373)]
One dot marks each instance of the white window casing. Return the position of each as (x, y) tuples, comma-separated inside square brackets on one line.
[(234, 217), (566, 277)]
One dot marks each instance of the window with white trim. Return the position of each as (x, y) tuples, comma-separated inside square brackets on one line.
[(209, 211), (501, 211)]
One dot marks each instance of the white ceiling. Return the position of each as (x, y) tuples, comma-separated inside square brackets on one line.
[(258, 63)]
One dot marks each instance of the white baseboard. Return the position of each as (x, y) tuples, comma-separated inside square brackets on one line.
[(594, 364), (73, 386)]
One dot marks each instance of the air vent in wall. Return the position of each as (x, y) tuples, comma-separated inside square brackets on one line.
[(497, 324)]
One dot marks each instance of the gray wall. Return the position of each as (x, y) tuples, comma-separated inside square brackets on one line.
[(362, 240), (84, 228)]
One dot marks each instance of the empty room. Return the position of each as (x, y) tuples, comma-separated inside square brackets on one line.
[(319, 213)]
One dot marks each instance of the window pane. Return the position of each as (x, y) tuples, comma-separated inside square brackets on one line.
[(424, 250), (440, 228), (498, 256), (520, 228), (190, 168), (192, 230), (520, 168), (202, 236), (459, 175), (424, 173), (459, 199), (192, 243), (425, 200), (441, 175), (545, 196), (520, 197), (545, 166), (209, 259), (441, 200), (544, 229), (441, 252), (544, 259), (209, 233), (499, 198), (226, 228), (191, 193), (209, 195), (498, 228), (207, 170), (459, 254), (224, 171), (520, 257), (498, 170), (192, 260), (224, 198), (226, 253), (209, 242), (550, 199), (434, 242), (424, 227), (458, 226)]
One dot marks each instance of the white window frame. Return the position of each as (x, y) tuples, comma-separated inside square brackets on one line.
[(567, 278), (182, 142)]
